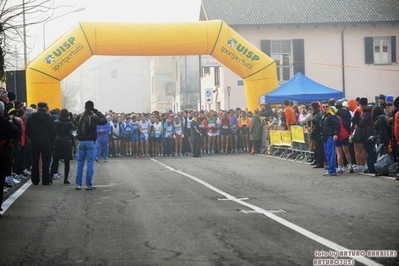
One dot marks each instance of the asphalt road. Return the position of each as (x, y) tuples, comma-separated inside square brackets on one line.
[(215, 210)]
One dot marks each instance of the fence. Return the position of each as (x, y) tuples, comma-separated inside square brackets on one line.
[(294, 143)]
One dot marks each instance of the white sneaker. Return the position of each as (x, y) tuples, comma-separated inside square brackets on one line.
[(26, 172), (56, 177), (359, 169), (20, 177), (12, 180)]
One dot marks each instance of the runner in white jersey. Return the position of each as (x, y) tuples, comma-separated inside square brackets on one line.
[(179, 134), (144, 126), (186, 121), (157, 127)]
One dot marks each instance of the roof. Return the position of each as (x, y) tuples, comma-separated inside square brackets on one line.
[(301, 12)]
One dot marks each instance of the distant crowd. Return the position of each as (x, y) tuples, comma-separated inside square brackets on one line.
[(343, 134)]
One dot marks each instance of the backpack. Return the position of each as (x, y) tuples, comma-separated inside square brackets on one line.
[(343, 134), (84, 125)]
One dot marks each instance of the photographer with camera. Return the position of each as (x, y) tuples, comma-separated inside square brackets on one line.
[(86, 124)]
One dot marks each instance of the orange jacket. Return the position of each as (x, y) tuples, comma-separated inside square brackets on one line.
[(290, 118), (352, 104), (247, 122)]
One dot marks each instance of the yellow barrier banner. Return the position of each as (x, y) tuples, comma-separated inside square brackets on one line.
[(275, 137), (286, 138), (297, 134)]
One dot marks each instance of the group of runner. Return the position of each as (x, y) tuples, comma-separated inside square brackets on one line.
[(169, 134)]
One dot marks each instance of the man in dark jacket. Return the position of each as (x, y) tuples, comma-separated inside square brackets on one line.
[(329, 135), (315, 135), (40, 129), (267, 111), (255, 132), (196, 135), (86, 124), (366, 124)]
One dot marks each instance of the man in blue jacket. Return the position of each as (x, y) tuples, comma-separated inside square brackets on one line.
[(103, 132), (329, 134)]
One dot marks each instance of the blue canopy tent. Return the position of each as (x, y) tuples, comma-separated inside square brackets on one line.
[(301, 89)]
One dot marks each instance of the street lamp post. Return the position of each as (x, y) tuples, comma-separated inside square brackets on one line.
[(228, 96), (24, 33), (44, 24)]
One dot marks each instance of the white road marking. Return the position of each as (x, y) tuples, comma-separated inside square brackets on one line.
[(296, 228), (15, 196)]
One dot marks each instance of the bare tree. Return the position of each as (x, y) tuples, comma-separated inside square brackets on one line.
[(13, 21)]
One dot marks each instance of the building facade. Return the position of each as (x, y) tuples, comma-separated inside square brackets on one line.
[(346, 45), (175, 83)]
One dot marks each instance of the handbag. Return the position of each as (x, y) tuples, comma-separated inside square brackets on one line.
[(382, 164), (6, 150)]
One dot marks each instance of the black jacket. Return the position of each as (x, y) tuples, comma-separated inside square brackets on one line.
[(367, 124), (315, 134), (64, 126), (96, 118), (346, 117), (195, 130), (330, 124), (382, 129), (40, 129), (8, 130), (63, 141)]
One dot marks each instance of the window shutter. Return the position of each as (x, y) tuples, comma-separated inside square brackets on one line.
[(393, 49), (369, 49), (299, 55), (266, 47)]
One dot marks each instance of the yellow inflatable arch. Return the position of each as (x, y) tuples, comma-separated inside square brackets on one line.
[(214, 37)]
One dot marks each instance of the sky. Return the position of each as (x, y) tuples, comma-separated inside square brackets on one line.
[(104, 11)]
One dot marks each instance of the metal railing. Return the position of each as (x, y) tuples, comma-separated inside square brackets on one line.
[(293, 143)]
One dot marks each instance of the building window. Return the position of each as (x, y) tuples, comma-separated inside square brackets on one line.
[(207, 70), (289, 56), (281, 53), (380, 50)]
